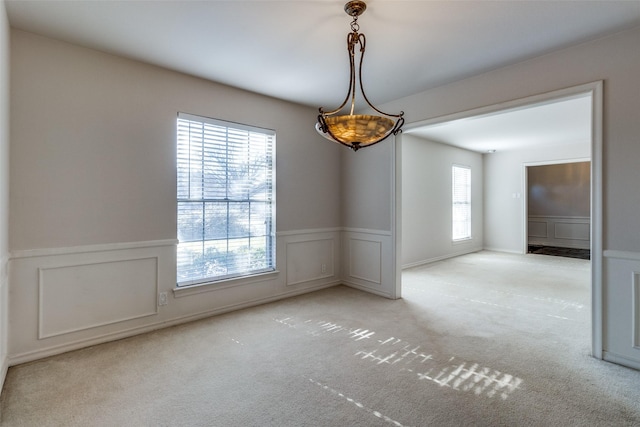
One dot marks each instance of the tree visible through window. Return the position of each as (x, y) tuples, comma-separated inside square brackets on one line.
[(461, 206), (225, 174)]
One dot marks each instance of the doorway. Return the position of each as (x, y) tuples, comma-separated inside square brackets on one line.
[(592, 91), (558, 201)]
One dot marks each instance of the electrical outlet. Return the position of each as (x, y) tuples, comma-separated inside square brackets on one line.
[(162, 298), (323, 268)]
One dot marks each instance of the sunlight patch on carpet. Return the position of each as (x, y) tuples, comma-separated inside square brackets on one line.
[(463, 376)]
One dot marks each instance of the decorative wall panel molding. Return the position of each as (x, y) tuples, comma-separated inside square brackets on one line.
[(367, 261), (309, 260), (365, 258), (62, 298), (571, 231), (636, 309), (564, 232), (68, 298), (77, 297), (47, 252), (538, 229), (621, 305)]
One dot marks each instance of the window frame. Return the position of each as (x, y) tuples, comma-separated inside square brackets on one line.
[(268, 202), (466, 202)]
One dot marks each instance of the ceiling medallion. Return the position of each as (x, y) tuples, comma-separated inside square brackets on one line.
[(357, 130)]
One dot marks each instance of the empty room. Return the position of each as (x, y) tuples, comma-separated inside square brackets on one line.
[(213, 215)]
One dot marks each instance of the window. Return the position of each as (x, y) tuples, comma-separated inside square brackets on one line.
[(461, 209), (226, 200)]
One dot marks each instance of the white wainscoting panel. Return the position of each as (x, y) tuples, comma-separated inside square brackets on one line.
[(621, 311), (538, 229), (310, 260), (368, 261), (571, 231), (365, 258), (62, 299), (561, 231), (77, 297), (4, 317), (636, 309)]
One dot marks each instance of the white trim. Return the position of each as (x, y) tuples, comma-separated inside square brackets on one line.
[(30, 356), (597, 99), (41, 300), (462, 241), (635, 310), (4, 322), (367, 231), (31, 253), (396, 212), (4, 368), (620, 360), (309, 231), (597, 299), (4, 269), (440, 258), (632, 256), (558, 217), (186, 290), (322, 275), (506, 251), (558, 161), (376, 291), (224, 123), (513, 105), (381, 260)]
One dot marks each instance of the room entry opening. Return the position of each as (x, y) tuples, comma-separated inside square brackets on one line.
[(592, 93)]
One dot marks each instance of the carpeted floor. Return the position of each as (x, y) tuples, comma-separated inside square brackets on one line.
[(486, 339)]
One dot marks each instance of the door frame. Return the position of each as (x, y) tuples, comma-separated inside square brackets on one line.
[(525, 192), (596, 91)]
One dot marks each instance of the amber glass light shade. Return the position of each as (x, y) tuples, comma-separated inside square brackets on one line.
[(360, 129), (356, 130)]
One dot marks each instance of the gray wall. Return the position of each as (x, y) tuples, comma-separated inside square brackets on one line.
[(93, 147), (93, 197), (504, 178), (615, 60), (4, 185), (426, 200), (559, 190)]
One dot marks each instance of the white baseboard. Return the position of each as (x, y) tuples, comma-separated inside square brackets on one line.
[(370, 290), (508, 251), (620, 360), (30, 356), (4, 368), (440, 258), (48, 285)]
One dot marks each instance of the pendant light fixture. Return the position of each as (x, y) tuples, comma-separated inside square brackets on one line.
[(357, 130)]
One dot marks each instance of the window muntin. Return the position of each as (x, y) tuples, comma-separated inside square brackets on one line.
[(226, 200), (461, 203)]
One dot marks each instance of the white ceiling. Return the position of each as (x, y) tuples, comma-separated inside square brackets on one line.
[(545, 124), (296, 50)]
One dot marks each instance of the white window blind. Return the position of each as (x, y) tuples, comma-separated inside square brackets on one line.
[(461, 208), (226, 200)]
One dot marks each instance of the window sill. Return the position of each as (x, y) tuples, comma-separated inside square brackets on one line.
[(462, 241), (185, 291)]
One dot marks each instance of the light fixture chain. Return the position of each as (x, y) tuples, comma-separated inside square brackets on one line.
[(354, 25)]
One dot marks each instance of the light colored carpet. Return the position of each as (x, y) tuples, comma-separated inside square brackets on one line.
[(486, 339)]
